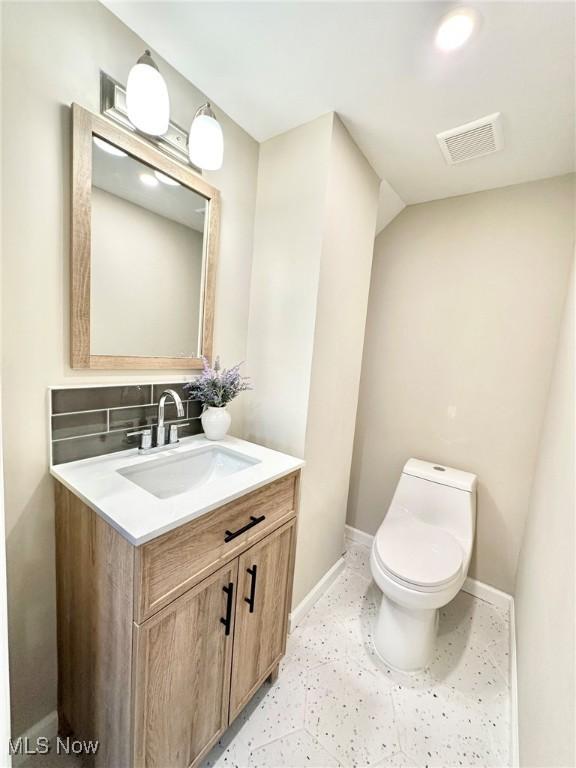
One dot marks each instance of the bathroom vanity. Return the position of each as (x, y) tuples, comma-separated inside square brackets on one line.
[(172, 608)]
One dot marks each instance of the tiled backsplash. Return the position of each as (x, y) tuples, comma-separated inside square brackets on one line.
[(91, 421)]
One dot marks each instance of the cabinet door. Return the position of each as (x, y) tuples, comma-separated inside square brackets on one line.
[(262, 605), (182, 674)]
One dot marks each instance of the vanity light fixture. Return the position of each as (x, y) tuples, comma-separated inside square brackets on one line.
[(148, 180), (205, 140), (456, 28), (168, 180), (107, 147), (147, 100)]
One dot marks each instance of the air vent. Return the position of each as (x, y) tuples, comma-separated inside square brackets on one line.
[(476, 139)]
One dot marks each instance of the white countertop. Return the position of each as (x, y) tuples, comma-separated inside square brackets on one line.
[(140, 516)]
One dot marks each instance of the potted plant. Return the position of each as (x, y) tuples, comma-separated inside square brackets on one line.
[(215, 388)]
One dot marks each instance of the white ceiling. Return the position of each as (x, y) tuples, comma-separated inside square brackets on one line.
[(275, 65)]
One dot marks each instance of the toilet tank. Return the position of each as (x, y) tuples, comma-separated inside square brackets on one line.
[(438, 495)]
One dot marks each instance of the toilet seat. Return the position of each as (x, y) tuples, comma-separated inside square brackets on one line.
[(416, 554)]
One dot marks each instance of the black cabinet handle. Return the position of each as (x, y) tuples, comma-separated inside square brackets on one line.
[(253, 521), (250, 600), (228, 620)]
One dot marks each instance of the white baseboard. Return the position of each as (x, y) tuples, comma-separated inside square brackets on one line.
[(356, 536), (48, 727), (472, 586), (488, 593), (316, 593)]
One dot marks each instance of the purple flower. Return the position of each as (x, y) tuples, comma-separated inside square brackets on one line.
[(217, 386)]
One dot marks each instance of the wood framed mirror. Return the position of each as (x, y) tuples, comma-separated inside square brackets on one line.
[(144, 246)]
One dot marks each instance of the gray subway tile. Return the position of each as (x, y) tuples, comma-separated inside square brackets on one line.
[(72, 425), (96, 398), (194, 428), (78, 413), (194, 409), (140, 416), (77, 448)]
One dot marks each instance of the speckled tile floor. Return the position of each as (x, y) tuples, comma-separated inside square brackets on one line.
[(336, 704)]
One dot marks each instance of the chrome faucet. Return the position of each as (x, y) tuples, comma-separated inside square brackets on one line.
[(161, 429), (154, 439)]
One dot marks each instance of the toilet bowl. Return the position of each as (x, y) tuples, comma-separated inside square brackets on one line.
[(420, 557)]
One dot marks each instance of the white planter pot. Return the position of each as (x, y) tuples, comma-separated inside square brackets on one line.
[(215, 422)]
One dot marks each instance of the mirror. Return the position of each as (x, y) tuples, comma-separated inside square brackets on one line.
[(143, 253), (147, 259)]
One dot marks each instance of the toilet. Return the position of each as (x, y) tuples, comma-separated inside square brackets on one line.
[(420, 557)]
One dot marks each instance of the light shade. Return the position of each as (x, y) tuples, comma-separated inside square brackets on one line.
[(206, 142), (147, 97), (455, 29)]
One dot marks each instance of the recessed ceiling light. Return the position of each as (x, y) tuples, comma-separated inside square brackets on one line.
[(166, 179), (456, 29), (110, 148), (148, 180)]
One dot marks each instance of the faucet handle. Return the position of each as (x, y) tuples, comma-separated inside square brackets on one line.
[(174, 431), (146, 441)]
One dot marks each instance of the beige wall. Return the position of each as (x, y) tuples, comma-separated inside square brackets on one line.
[(464, 312), (314, 232), (346, 262), (544, 599), (288, 230), (52, 56), (156, 264)]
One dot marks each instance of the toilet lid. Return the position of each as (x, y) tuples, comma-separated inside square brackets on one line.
[(421, 554)]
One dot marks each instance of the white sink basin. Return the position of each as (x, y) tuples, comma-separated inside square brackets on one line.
[(143, 497), (172, 475)]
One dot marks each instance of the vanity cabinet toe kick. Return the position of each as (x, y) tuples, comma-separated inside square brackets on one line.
[(161, 646)]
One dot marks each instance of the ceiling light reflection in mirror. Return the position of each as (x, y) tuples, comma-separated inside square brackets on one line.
[(148, 180), (117, 172), (168, 180), (107, 147)]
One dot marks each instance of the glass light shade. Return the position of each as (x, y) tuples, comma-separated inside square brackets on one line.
[(206, 142), (456, 29), (147, 98)]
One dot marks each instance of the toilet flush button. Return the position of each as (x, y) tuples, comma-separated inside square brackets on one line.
[(440, 469)]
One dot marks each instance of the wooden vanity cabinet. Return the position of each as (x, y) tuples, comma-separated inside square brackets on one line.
[(182, 662), (264, 572), (158, 688)]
